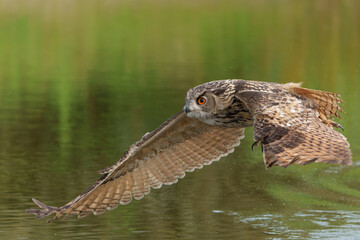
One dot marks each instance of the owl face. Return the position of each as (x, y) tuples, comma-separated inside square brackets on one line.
[(203, 103), (200, 106)]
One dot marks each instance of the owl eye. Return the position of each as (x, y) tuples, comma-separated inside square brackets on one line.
[(201, 100)]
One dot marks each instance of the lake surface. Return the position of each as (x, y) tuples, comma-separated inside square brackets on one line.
[(80, 81)]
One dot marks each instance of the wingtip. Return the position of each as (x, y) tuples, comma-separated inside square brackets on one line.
[(37, 202), (44, 211)]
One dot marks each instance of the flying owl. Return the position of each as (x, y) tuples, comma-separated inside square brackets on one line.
[(294, 125)]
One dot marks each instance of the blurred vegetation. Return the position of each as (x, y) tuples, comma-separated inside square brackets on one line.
[(82, 80)]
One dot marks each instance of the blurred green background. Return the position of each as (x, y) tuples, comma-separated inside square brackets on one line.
[(80, 81)]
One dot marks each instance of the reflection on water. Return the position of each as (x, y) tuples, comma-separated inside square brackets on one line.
[(79, 83)]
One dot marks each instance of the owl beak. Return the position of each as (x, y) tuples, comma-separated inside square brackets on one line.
[(186, 109)]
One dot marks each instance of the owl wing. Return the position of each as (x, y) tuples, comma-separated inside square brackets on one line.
[(291, 132), (179, 145)]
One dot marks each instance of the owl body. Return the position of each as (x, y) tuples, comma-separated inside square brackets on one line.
[(294, 126)]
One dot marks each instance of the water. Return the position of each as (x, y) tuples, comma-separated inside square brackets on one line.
[(80, 81)]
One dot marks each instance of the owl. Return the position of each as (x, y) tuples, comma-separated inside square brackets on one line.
[(293, 125)]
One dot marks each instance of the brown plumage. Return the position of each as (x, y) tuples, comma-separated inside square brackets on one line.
[(292, 124)]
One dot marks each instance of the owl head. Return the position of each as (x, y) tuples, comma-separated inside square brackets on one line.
[(205, 101)]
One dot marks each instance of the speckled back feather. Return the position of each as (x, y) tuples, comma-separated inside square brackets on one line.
[(287, 124)]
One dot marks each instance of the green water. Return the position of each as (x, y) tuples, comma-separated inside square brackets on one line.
[(80, 81)]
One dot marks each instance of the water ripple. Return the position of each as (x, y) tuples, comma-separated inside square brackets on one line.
[(306, 224)]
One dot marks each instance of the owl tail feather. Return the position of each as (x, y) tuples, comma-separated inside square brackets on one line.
[(45, 211)]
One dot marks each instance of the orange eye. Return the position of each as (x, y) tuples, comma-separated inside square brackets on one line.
[(201, 100)]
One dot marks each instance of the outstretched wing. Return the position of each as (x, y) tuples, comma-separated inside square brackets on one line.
[(179, 145), (290, 130), (326, 102)]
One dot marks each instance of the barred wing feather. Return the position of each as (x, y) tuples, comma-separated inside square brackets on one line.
[(179, 145)]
